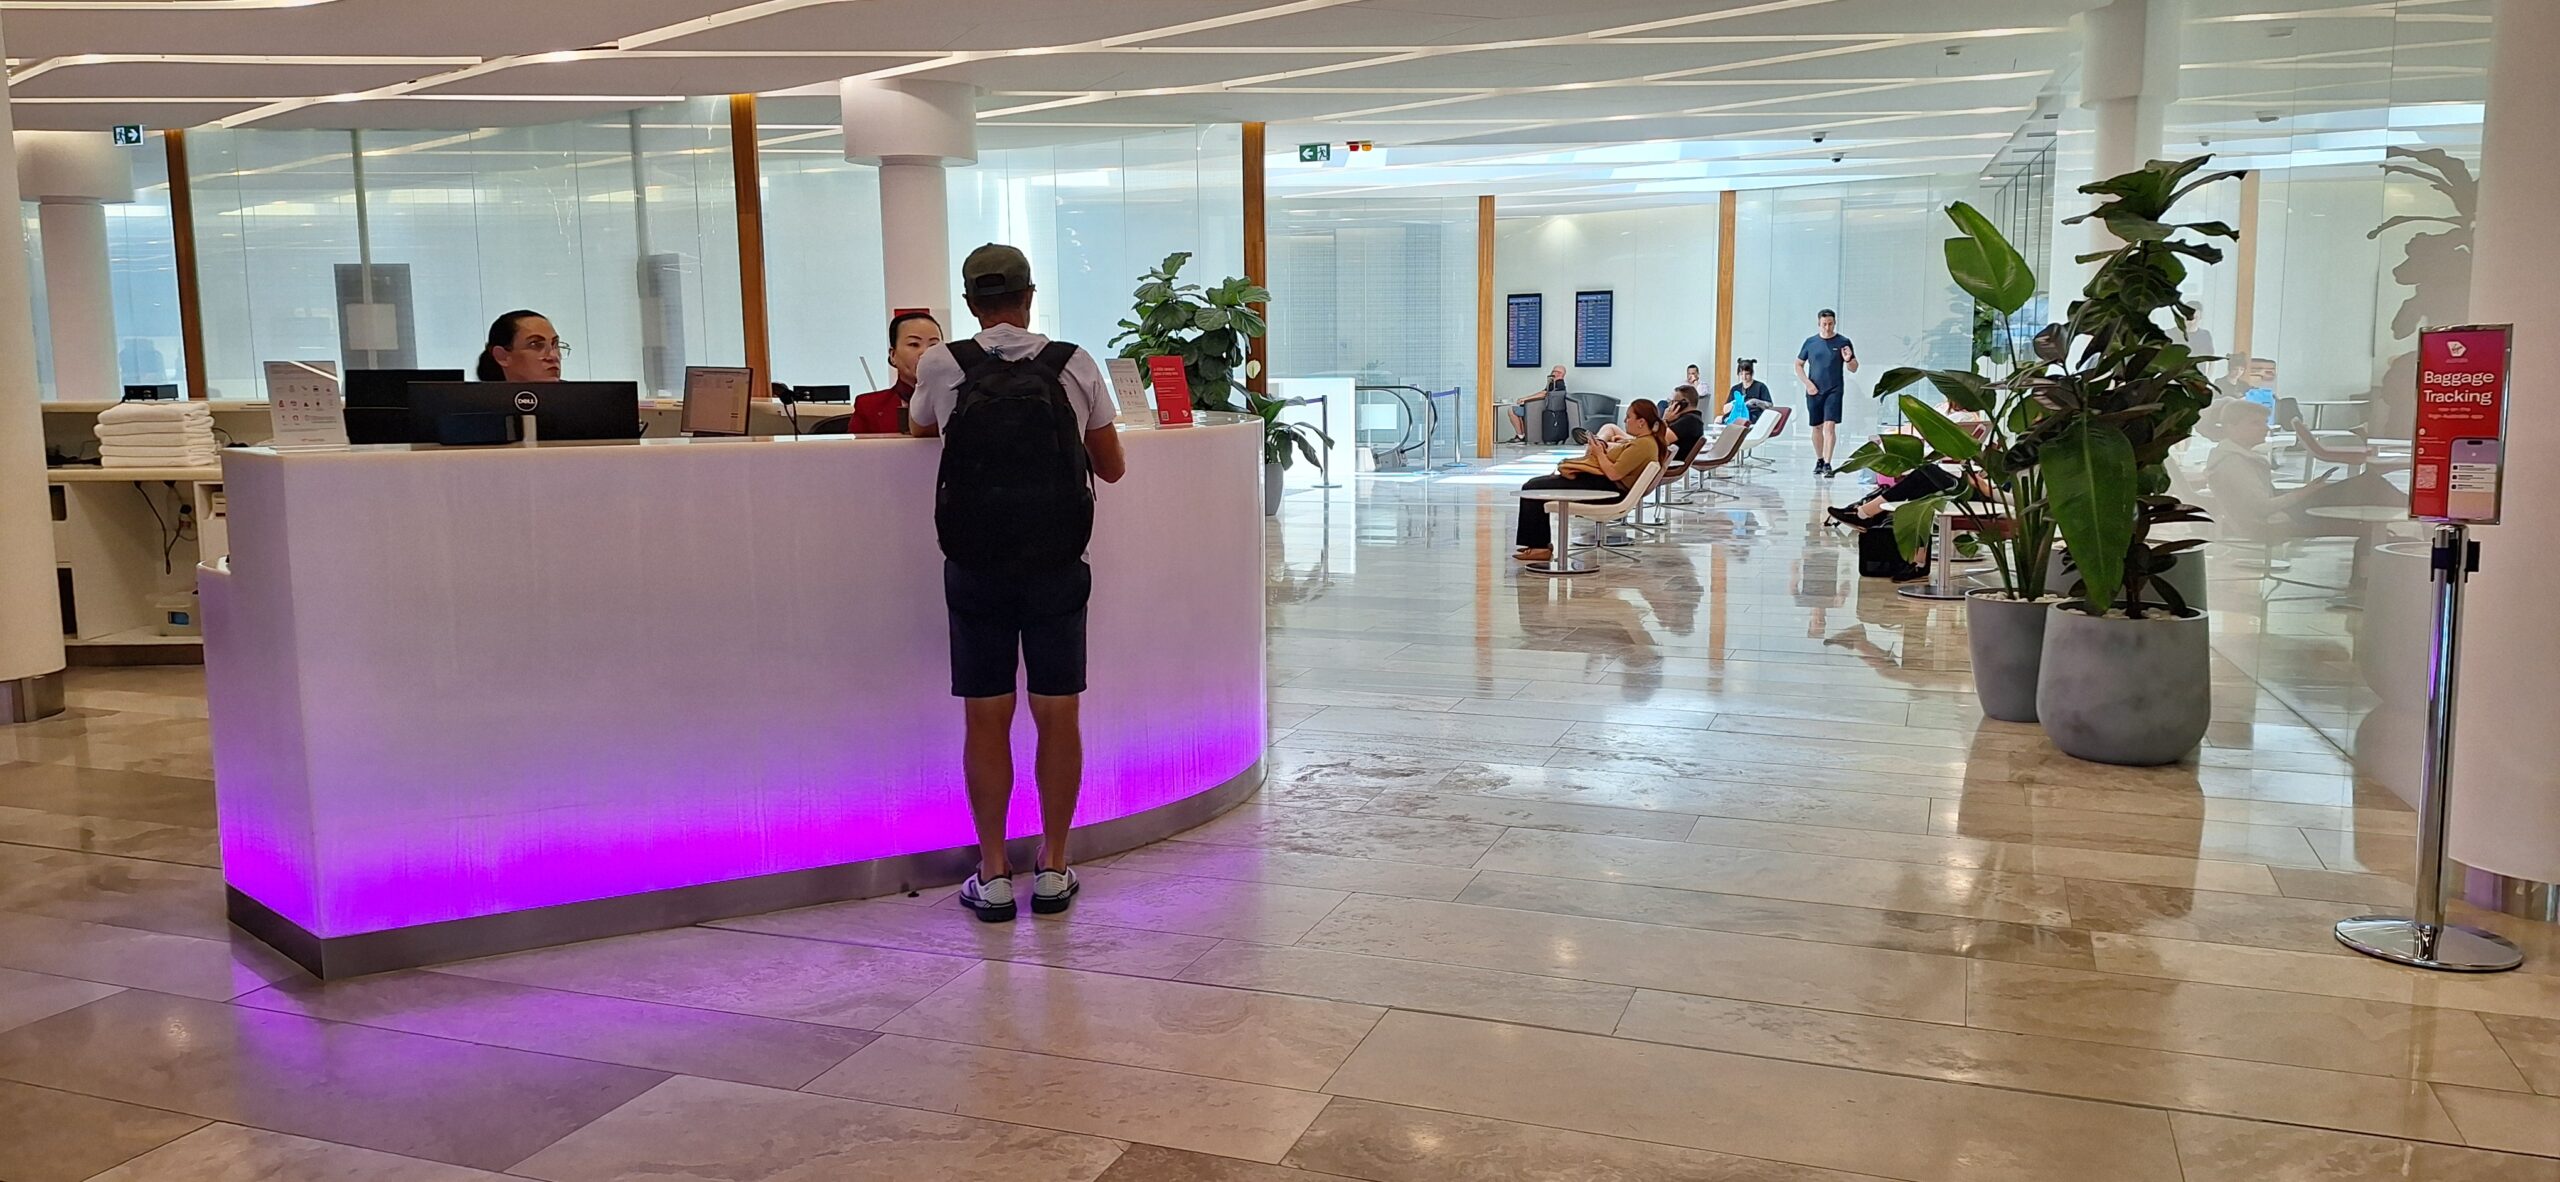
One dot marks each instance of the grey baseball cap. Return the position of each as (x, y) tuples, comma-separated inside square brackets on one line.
[(995, 269)]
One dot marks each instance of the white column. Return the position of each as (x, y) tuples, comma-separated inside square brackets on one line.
[(2506, 789), (71, 176), (2128, 77), (912, 129), (30, 614)]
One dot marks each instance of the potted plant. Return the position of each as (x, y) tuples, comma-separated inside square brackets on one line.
[(2124, 676), (1212, 330), (2004, 625)]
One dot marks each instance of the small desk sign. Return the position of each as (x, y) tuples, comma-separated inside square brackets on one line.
[(2462, 423), (1129, 387), (303, 399), (1173, 390), (128, 135)]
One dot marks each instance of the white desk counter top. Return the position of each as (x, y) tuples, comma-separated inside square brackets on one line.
[(472, 699)]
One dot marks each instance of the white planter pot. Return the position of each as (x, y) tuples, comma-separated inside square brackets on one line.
[(1271, 490)]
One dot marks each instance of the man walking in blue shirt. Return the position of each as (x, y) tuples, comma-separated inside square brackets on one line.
[(1819, 365)]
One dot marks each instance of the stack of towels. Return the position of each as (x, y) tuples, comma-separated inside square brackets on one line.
[(157, 435)]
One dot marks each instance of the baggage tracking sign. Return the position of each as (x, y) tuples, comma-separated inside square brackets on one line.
[(2462, 423)]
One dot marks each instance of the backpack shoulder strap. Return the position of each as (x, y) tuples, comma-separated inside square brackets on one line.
[(968, 353), (1055, 357)]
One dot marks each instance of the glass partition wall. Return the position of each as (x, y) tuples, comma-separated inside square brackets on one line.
[(142, 276)]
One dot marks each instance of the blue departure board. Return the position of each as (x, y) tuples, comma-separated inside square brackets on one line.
[(1526, 319), (1594, 326)]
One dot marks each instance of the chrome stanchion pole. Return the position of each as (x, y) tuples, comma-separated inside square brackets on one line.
[(1324, 463), (2425, 939)]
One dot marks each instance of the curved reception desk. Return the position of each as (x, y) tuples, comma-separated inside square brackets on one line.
[(473, 701)]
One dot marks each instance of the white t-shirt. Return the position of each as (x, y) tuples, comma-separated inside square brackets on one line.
[(938, 378)]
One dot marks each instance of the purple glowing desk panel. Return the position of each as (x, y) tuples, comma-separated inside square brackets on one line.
[(469, 700)]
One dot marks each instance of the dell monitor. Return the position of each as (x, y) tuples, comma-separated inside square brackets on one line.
[(493, 412)]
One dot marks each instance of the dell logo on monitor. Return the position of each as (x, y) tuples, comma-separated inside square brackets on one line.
[(526, 401)]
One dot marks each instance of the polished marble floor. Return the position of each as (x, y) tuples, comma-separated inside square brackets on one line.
[(1704, 868)]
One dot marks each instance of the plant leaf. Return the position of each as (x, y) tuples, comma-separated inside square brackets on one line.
[(1942, 433), (2090, 479), (1914, 520), (1985, 265)]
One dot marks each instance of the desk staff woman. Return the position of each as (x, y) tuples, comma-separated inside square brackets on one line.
[(523, 347)]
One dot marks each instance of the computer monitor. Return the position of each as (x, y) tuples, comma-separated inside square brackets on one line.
[(460, 412), (716, 399), (377, 402)]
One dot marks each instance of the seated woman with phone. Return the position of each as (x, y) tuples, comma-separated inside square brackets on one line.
[(1600, 468)]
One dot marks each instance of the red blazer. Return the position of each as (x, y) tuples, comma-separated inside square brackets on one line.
[(876, 413)]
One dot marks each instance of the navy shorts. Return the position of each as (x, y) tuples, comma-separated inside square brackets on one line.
[(1825, 407), (1004, 623)]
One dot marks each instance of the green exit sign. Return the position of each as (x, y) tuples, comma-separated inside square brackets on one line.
[(128, 134), (1314, 153)]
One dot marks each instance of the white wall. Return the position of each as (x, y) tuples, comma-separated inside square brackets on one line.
[(1662, 265)]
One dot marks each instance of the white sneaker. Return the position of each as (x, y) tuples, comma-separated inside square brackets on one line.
[(992, 901), (1053, 890)]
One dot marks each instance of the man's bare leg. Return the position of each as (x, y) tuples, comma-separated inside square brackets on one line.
[(1059, 768), (986, 761)]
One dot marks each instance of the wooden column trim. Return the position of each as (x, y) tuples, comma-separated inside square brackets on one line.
[(1727, 203), (182, 237), (1487, 328), (1257, 257), (750, 187), (2244, 310)]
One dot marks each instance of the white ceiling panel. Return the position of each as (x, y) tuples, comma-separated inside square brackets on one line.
[(480, 28), (1125, 71), (402, 114), (83, 115), (623, 74), (114, 79), (951, 25)]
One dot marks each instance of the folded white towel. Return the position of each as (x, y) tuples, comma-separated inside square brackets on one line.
[(162, 412), (180, 460), (163, 438), (146, 426)]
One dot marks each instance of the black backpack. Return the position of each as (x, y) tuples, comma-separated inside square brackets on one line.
[(1015, 493)]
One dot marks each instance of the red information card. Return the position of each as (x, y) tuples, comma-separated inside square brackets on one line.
[(1173, 390), (2462, 423)]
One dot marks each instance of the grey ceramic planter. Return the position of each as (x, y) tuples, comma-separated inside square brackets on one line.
[(2135, 692), (2188, 577), (1271, 490), (2006, 637)]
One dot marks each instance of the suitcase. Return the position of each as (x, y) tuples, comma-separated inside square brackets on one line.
[(1555, 420), (1879, 557)]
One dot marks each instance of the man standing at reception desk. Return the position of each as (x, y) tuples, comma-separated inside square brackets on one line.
[(1025, 424)]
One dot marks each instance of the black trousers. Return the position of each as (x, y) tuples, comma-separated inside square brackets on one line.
[(1919, 482), (1537, 518)]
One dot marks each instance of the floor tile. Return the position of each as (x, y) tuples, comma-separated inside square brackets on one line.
[(1694, 797), (1075, 940), (1287, 1042), (1415, 985), (1416, 724), (2129, 833), (1922, 1130), (2505, 1121), (216, 970), (1531, 814), (1321, 831), (2213, 917), (2341, 1034), (127, 892), (1217, 1116), (2340, 886), (231, 1153), (185, 844), (670, 1038), (1907, 931), (57, 1136), (446, 1101), (700, 1130), (2534, 1044), (2283, 969), (2214, 1149), (2054, 1066), (95, 792), (1286, 868), (25, 997), (1724, 964), (816, 981), (1154, 1163), (1810, 878), (1391, 1143)]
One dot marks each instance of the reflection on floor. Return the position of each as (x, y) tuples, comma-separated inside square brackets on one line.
[(1705, 868)]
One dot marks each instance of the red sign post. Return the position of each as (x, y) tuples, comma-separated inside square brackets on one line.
[(2462, 424), (1173, 390)]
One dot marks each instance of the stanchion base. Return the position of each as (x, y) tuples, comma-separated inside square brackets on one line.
[(1567, 567), (2451, 947)]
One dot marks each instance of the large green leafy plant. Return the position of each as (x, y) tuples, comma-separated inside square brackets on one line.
[(1211, 329), (2131, 395), (1994, 479)]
